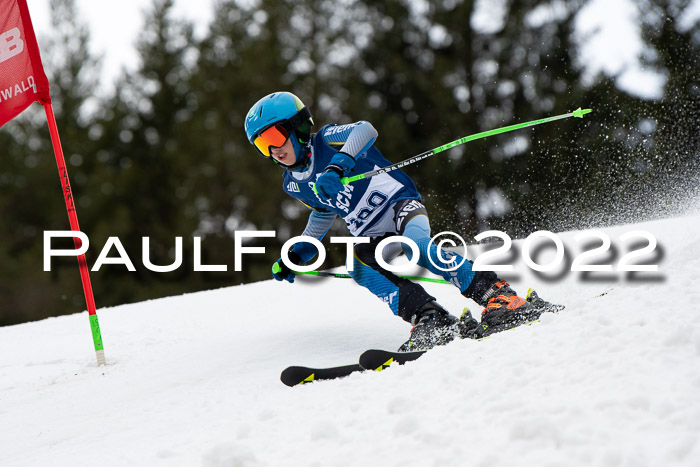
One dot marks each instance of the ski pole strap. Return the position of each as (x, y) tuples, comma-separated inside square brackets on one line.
[(579, 113), (348, 276)]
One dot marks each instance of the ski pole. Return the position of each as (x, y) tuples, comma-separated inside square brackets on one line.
[(579, 113), (347, 276)]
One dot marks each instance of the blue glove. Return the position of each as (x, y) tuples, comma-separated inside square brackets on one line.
[(328, 184), (281, 272)]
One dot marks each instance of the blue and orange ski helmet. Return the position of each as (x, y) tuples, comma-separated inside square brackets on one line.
[(274, 119)]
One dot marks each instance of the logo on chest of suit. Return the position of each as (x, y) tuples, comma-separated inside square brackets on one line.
[(293, 187), (342, 201)]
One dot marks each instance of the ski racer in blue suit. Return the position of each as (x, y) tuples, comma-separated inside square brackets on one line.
[(279, 126)]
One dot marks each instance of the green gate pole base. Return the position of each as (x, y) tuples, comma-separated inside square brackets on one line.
[(97, 339)]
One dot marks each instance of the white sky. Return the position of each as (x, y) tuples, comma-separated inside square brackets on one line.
[(115, 25), (607, 30)]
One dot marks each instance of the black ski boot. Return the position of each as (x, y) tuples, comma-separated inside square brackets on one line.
[(432, 325), (503, 308), (507, 310)]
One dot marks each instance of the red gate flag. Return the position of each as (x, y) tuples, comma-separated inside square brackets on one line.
[(22, 77), (23, 81)]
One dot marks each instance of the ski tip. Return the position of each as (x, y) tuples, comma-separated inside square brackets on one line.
[(297, 375), (581, 112)]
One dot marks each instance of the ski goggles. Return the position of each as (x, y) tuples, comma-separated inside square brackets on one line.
[(274, 137)]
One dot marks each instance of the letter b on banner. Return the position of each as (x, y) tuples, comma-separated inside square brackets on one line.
[(10, 44)]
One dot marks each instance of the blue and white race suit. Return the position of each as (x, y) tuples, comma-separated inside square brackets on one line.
[(376, 207)]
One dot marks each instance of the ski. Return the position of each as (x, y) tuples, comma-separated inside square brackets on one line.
[(296, 375), (378, 360), (373, 359)]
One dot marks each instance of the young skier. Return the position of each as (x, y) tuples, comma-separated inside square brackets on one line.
[(279, 126)]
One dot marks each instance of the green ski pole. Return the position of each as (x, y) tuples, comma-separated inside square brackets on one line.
[(579, 113), (277, 268), (347, 276)]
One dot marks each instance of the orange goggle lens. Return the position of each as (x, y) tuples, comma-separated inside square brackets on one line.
[(275, 136)]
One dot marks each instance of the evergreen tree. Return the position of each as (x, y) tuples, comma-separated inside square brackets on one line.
[(439, 73), (637, 158), (146, 173)]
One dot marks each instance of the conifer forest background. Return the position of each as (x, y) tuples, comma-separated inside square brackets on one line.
[(165, 154)]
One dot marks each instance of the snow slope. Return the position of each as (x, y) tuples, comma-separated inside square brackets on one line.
[(194, 380)]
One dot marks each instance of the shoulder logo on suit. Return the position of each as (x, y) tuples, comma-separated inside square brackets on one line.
[(338, 129)]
